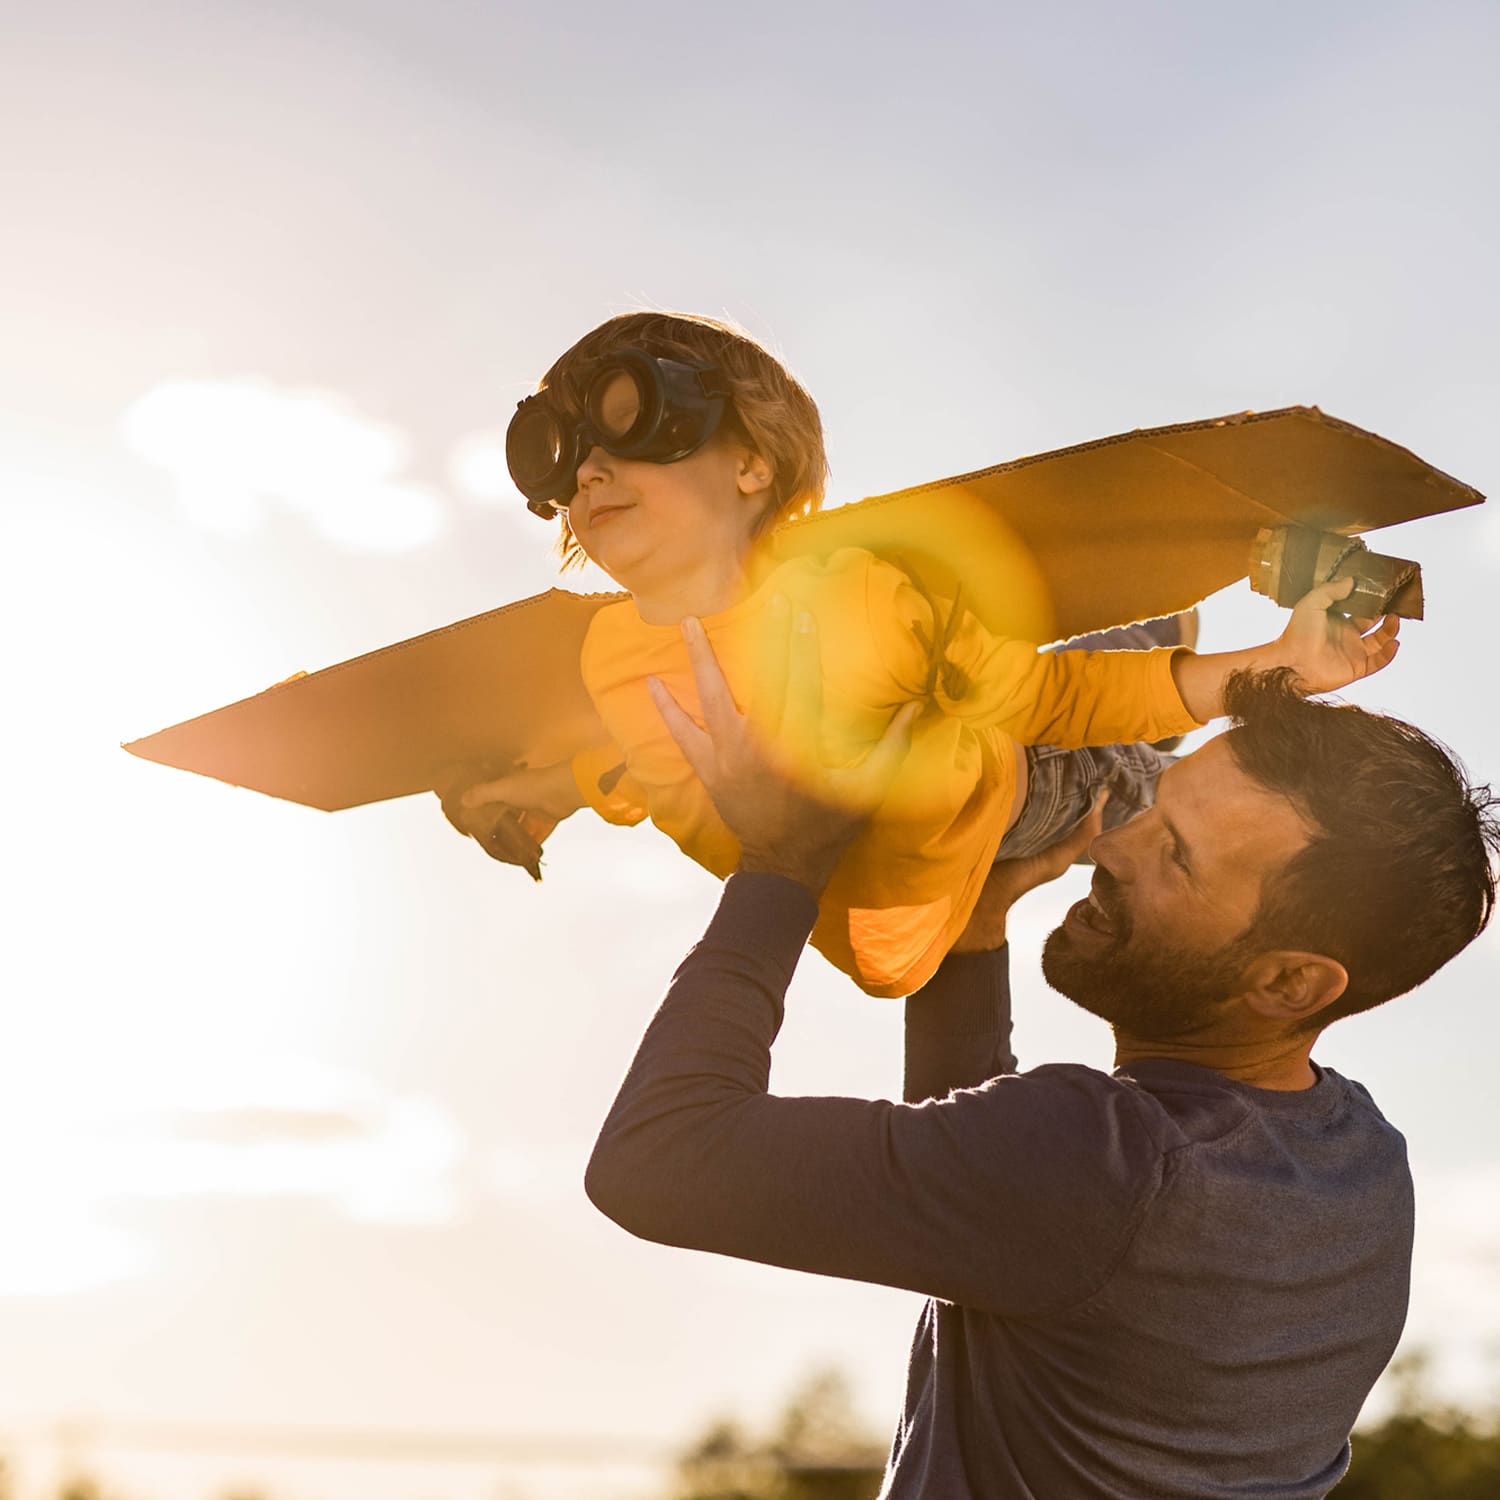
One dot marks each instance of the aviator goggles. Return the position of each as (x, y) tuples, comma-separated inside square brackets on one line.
[(635, 405)]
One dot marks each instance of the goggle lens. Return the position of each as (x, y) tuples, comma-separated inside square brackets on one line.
[(533, 446), (615, 404), (637, 405)]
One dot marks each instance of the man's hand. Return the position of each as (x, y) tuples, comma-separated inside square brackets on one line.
[(792, 815), (1010, 879)]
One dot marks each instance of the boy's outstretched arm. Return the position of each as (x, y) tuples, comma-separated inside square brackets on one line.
[(1325, 649), (511, 815)]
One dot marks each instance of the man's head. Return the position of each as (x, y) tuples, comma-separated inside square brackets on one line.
[(1311, 863), (768, 411)]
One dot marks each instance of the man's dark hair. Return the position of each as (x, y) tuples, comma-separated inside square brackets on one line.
[(1398, 876)]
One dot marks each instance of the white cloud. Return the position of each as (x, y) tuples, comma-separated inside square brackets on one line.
[(397, 1165), (294, 1127), (478, 469), (521, 1171), (380, 517), (276, 1128), (57, 1250), (1455, 1299), (237, 447)]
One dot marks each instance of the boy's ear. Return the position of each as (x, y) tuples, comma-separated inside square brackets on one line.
[(755, 474), (1292, 986)]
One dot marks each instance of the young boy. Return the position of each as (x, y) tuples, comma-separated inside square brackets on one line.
[(669, 445)]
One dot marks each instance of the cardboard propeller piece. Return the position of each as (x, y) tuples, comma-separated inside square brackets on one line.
[(1124, 528)]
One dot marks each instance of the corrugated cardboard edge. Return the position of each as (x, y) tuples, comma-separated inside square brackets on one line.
[(294, 684)]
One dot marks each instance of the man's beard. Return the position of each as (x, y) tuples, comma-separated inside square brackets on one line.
[(1148, 993)]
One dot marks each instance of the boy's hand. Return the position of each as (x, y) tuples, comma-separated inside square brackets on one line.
[(510, 816), (792, 816), (549, 792), (1328, 650), (1325, 649)]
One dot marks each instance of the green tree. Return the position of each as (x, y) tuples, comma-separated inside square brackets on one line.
[(818, 1450), (1424, 1450)]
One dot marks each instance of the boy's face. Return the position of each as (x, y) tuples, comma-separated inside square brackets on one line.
[(656, 527)]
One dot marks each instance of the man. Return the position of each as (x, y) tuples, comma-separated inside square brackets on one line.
[(1174, 1281)]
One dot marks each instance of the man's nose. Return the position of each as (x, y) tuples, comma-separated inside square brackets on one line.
[(1111, 851)]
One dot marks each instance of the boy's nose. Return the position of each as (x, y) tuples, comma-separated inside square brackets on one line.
[(595, 465)]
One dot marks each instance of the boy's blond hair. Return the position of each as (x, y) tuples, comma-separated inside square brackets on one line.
[(768, 409)]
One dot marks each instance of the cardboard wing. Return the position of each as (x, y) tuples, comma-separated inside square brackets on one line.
[(1124, 528), (1139, 525), (503, 685)]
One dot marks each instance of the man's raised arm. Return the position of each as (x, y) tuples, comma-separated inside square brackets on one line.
[(696, 1152)]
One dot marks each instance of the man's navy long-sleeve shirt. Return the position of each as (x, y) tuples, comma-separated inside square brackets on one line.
[(1153, 1283)]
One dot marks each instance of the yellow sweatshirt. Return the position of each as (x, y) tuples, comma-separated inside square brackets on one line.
[(906, 886)]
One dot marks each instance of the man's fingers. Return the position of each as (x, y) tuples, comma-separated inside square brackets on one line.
[(1010, 879), (1069, 849), (1087, 831), (696, 746), (881, 764), (719, 711), (802, 716), (770, 679)]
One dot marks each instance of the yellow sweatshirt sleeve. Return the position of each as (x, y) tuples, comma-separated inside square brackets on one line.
[(1067, 698), (607, 787)]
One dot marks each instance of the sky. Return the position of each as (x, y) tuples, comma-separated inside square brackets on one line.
[(297, 1104)]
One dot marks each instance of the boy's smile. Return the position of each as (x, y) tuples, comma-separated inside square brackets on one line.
[(601, 510), (676, 535)]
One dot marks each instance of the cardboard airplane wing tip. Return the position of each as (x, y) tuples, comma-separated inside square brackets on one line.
[(389, 722)]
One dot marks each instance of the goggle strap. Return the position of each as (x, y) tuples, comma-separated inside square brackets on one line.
[(713, 382)]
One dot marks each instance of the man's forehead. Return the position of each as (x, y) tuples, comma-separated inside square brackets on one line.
[(1223, 814)]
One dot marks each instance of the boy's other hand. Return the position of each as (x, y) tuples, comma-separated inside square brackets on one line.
[(510, 816), (792, 815), (1329, 650), (548, 792), (1326, 650)]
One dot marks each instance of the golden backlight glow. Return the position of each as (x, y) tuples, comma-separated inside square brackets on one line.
[(144, 944), (297, 1105)]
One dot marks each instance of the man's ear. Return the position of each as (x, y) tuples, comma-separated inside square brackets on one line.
[(1291, 986), (755, 475)]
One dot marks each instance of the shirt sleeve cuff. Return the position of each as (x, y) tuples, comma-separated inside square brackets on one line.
[(1166, 701), (763, 915), (965, 987), (600, 776)]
